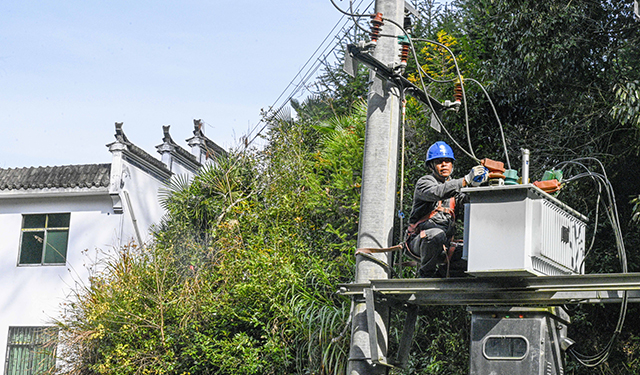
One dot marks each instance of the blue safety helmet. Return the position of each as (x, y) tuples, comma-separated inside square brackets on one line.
[(440, 150)]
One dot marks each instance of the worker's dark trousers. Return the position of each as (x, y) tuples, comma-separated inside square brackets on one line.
[(430, 244)]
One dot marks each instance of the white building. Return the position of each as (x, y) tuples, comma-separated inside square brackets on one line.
[(52, 219)]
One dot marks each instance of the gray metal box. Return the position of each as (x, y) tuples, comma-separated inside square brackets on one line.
[(521, 230), (517, 340)]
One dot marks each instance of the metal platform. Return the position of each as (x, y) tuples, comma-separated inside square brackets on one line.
[(506, 291)]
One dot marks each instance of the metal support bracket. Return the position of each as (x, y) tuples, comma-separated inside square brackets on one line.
[(527, 290), (360, 53), (408, 330), (376, 356), (404, 347)]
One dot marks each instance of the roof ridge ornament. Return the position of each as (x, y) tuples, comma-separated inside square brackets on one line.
[(120, 136), (166, 138), (197, 128)]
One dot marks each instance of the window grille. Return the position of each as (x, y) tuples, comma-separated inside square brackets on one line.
[(31, 350)]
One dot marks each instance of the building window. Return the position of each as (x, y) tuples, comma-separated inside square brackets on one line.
[(31, 350), (44, 239)]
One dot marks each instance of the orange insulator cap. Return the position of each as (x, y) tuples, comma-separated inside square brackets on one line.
[(492, 165)]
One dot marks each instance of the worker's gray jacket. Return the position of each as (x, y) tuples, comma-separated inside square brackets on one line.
[(429, 190)]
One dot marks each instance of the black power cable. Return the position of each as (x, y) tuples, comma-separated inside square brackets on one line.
[(611, 211)]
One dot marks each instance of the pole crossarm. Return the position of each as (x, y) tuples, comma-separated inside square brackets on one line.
[(506, 290), (389, 74)]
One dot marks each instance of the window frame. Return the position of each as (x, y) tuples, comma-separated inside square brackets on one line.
[(44, 240), (512, 339), (38, 342)]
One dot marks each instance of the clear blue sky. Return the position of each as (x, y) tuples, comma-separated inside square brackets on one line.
[(70, 69)]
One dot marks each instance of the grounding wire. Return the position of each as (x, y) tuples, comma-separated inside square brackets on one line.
[(402, 162), (504, 143)]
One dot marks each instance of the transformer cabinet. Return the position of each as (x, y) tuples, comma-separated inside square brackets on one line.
[(518, 340), (519, 230)]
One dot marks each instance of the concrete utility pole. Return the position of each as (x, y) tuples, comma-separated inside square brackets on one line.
[(377, 208)]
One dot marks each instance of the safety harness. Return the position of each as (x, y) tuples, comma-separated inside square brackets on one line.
[(449, 209)]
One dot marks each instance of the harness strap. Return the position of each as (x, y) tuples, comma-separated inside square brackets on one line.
[(450, 209), (371, 250)]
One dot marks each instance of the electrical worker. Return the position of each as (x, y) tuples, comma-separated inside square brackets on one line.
[(436, 199)]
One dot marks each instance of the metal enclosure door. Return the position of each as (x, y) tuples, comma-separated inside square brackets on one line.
[(515, 341)]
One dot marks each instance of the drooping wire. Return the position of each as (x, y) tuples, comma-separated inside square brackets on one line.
[(504, 143), (611, 211), (355, 15), (577, 162), (422, 74), (350, 14), (464, 96), (597, 205)]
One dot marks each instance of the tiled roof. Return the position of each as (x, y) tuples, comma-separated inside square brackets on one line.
[(161, 172), (213, 149), (142, 154), (66, 176)]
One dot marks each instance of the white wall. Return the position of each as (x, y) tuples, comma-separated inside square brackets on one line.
[(32, 295), (179, 169), (142, 190)]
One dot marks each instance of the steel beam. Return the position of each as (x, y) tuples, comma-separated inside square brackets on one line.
[(529, 290)]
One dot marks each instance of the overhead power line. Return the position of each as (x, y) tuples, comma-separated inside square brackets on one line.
[(334, 39)]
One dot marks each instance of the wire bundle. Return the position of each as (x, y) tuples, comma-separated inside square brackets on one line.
[(604, 188)]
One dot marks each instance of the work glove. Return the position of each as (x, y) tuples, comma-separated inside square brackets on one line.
[(477, 176)]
